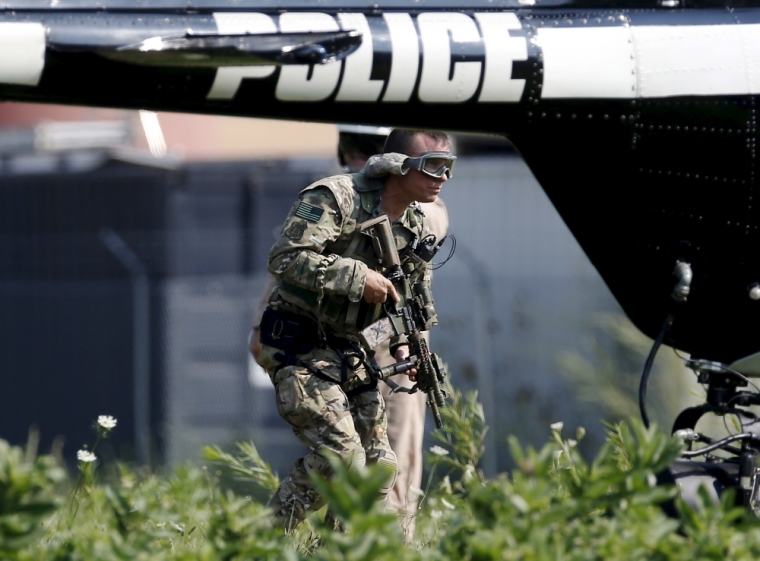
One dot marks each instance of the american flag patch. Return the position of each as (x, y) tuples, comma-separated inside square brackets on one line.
[(309, 212)]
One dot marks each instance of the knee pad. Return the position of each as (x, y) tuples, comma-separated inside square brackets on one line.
[(354, 457), (388, 459)]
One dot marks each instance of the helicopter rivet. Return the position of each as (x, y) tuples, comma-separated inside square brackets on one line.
[(754, 291)]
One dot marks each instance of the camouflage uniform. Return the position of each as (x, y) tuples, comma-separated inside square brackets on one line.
[(332, 403)]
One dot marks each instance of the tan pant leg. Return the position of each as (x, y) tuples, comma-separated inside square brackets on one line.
[(406, 429)]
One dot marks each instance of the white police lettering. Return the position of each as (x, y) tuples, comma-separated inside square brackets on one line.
[(439, 33), (303, 82), (228, 79), (435, 85), (405, 57), (501, 51), (356, 85), (22, 53)]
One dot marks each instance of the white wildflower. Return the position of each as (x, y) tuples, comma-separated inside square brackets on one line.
[(572, 443), (469, 474), (439, 450), (558, 454), (106, 422), (446, 485), (448, 505), (557, 426), (435, 514), (86, 456)]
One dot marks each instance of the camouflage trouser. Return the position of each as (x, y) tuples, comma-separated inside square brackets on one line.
[(324, 418)]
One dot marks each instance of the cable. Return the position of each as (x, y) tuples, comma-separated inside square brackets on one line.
[(719, 444), (436, 266), (679, 355), (738, 396), (741, 377), (648, 367)]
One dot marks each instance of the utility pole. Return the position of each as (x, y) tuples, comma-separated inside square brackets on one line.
[(140, 339)]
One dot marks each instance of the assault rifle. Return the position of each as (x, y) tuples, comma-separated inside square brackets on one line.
[(410, 316)]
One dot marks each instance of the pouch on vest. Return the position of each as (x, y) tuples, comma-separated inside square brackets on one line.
[(295, 334)]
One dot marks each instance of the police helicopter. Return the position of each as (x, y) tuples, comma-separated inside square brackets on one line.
[(661, 95)]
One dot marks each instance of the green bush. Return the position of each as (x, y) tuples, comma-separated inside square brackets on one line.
[(554, 505), (28, 493)]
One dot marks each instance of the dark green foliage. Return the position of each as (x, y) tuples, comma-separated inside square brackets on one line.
[(463, 435), (555, 505), (368, 531), (27, 494)]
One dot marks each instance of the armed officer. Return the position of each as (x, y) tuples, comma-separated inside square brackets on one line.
[(331, 287)]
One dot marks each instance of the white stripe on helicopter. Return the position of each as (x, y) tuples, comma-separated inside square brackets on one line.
[(650, 61), (22, 53)]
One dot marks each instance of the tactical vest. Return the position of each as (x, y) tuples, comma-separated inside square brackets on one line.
[(357, 199)]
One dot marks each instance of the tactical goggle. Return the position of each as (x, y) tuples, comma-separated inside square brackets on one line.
[(433, 164)]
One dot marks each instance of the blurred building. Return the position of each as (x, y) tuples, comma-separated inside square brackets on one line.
[(127, 273), (194, 137)]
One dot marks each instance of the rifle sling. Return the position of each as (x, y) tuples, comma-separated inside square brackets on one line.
[(396, 388)]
